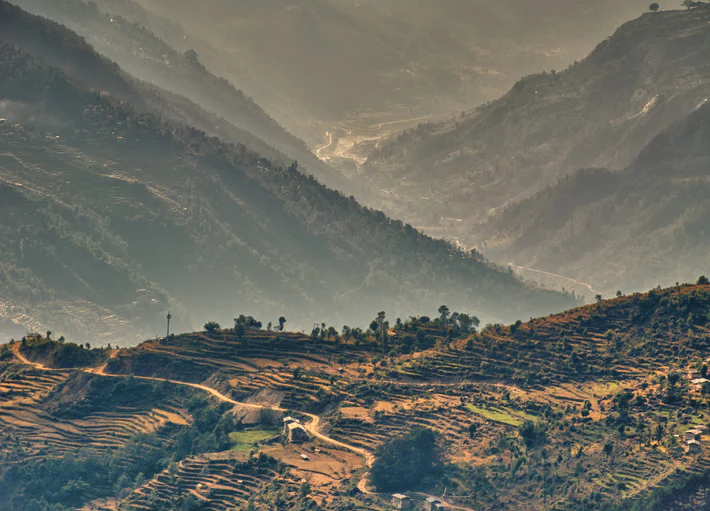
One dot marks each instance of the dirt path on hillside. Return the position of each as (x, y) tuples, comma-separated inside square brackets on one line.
[(568, 279), (24, 360), (312, 427)]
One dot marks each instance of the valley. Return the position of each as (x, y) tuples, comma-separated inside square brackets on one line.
[(339, 255), (461, 178), (115, 214), (356, 137)]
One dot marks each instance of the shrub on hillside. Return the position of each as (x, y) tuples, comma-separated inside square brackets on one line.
[(403, 462)]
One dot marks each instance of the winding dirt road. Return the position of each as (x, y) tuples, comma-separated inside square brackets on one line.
[(312, 427), (568, 279)]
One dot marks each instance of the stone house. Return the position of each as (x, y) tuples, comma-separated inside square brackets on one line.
[(297, 434), (400, 501), (433, 504), (692, 446)]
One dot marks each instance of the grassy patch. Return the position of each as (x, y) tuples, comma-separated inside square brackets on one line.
[(510, 417), (245, 440), (605, 388)]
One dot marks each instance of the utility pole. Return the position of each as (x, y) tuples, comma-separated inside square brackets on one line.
[(169, 316)]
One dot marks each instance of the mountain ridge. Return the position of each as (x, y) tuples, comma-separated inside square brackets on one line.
[(600, 112), (648, 219), (165, 213)]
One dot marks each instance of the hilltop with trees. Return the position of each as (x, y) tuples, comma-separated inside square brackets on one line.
[(588, 406)]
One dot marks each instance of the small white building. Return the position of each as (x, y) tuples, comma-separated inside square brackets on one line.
[(433, 504)]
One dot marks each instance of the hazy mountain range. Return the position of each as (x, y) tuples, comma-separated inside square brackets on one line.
[(112, 215), (642, 227), (142, 54), (601, 112), (315, 64), (481, 178)]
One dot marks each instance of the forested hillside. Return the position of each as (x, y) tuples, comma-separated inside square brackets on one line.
[(111, 216), (178, 89), (142, 54), (645, 226), (599, 112)]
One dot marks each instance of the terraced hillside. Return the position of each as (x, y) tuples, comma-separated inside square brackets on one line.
[(117, 213), (589, 408), (219, 482)]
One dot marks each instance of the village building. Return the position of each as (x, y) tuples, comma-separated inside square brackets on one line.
[(692, 446), (297, 434), (693, 375), (287, 421), (433, 504), (693, 434), (400, 501)]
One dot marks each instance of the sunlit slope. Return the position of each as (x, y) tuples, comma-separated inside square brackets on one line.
[(597, 398)]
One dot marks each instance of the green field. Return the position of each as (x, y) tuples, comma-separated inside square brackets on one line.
[(510, 417), (245, 440)]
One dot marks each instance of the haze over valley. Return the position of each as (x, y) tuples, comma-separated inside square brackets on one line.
[(309, 255)]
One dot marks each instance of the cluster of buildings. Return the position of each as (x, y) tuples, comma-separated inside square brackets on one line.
[(401, 501), (692, 438)]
